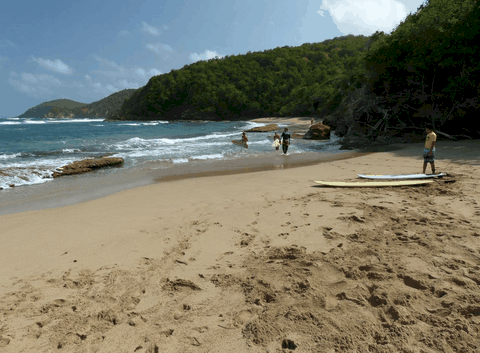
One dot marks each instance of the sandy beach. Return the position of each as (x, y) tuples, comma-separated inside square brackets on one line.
[(254, 262)]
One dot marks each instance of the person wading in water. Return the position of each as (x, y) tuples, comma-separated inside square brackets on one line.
[(285, 141), (244, 140)]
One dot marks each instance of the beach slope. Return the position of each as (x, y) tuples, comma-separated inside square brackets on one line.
[(258, 262)]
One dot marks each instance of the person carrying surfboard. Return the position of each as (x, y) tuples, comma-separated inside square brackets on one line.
[(276, 141), (244, 140), (429, 149), (285, 140)]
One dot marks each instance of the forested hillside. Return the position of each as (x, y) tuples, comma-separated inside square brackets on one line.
[(371, 90), (40, 110), (426, 71), (302, 80), (66, 108)]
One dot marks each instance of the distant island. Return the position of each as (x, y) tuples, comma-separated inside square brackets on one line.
[(66, 108)]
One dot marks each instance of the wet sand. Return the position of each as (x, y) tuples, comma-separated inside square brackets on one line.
[(264, 261)]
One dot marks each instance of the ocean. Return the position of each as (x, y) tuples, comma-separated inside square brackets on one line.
[(32, 149)]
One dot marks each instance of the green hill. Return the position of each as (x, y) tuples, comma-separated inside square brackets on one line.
[(40, 110), (284, 81), (66, 108)]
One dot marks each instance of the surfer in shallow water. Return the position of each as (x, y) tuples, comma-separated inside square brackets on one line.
[(276, 141), (429, 150), (244, 140)]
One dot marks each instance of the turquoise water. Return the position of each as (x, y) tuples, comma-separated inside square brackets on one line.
[(31, 149)]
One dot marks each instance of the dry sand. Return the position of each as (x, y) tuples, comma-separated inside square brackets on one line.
[(258, 262)]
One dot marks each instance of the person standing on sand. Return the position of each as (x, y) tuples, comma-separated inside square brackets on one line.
[(429, 150), (285, 140), (244, 140), (276, 137)]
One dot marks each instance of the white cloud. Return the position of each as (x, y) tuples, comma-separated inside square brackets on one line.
[(36, 85), (150, 29), (125, 84), (207, 54), (159, 48), (55, 65), (108, 65), (364, 17), (154, 72), (4, 43), (140, 72)]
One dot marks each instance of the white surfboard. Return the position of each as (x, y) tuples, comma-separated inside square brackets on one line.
[(373, 184), (402, 176)]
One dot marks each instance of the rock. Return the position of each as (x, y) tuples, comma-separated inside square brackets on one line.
[(266, 128), (318, 132), (87, 165), (297, 135)]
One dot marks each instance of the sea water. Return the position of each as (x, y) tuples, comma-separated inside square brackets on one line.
[(32, 149)]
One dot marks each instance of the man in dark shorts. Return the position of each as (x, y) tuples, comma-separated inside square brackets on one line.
[(285, 141), (429, 149)]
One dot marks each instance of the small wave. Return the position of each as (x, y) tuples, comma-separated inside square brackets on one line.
[(24, 176), (208, 156), (10, 123), (180, 160), (71, 150), (131, 124), (34, 122), (8, 156), (73, 120), (13, 118)]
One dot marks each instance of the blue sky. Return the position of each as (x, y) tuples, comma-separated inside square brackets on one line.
[(87, 50)]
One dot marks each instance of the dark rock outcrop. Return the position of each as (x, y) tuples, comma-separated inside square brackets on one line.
[(87, 165), (318, 131), (266, 128)]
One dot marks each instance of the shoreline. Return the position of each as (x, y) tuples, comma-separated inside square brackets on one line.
[(70, 190)]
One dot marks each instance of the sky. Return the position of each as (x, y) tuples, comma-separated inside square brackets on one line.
[(87, 50)]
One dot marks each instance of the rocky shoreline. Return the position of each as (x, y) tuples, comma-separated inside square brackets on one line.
[(88, 165)]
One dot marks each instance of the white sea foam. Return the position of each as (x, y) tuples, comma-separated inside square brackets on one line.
[(86, 120), (10, 123), (71, 150), (208, 156), (180, 160), (34, 122), (8, 156)]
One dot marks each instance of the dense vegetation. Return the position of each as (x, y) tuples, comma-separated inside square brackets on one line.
[(106, 106), (66, 108), (370, 89), (302, 80), (426, 71), (40, 110)]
